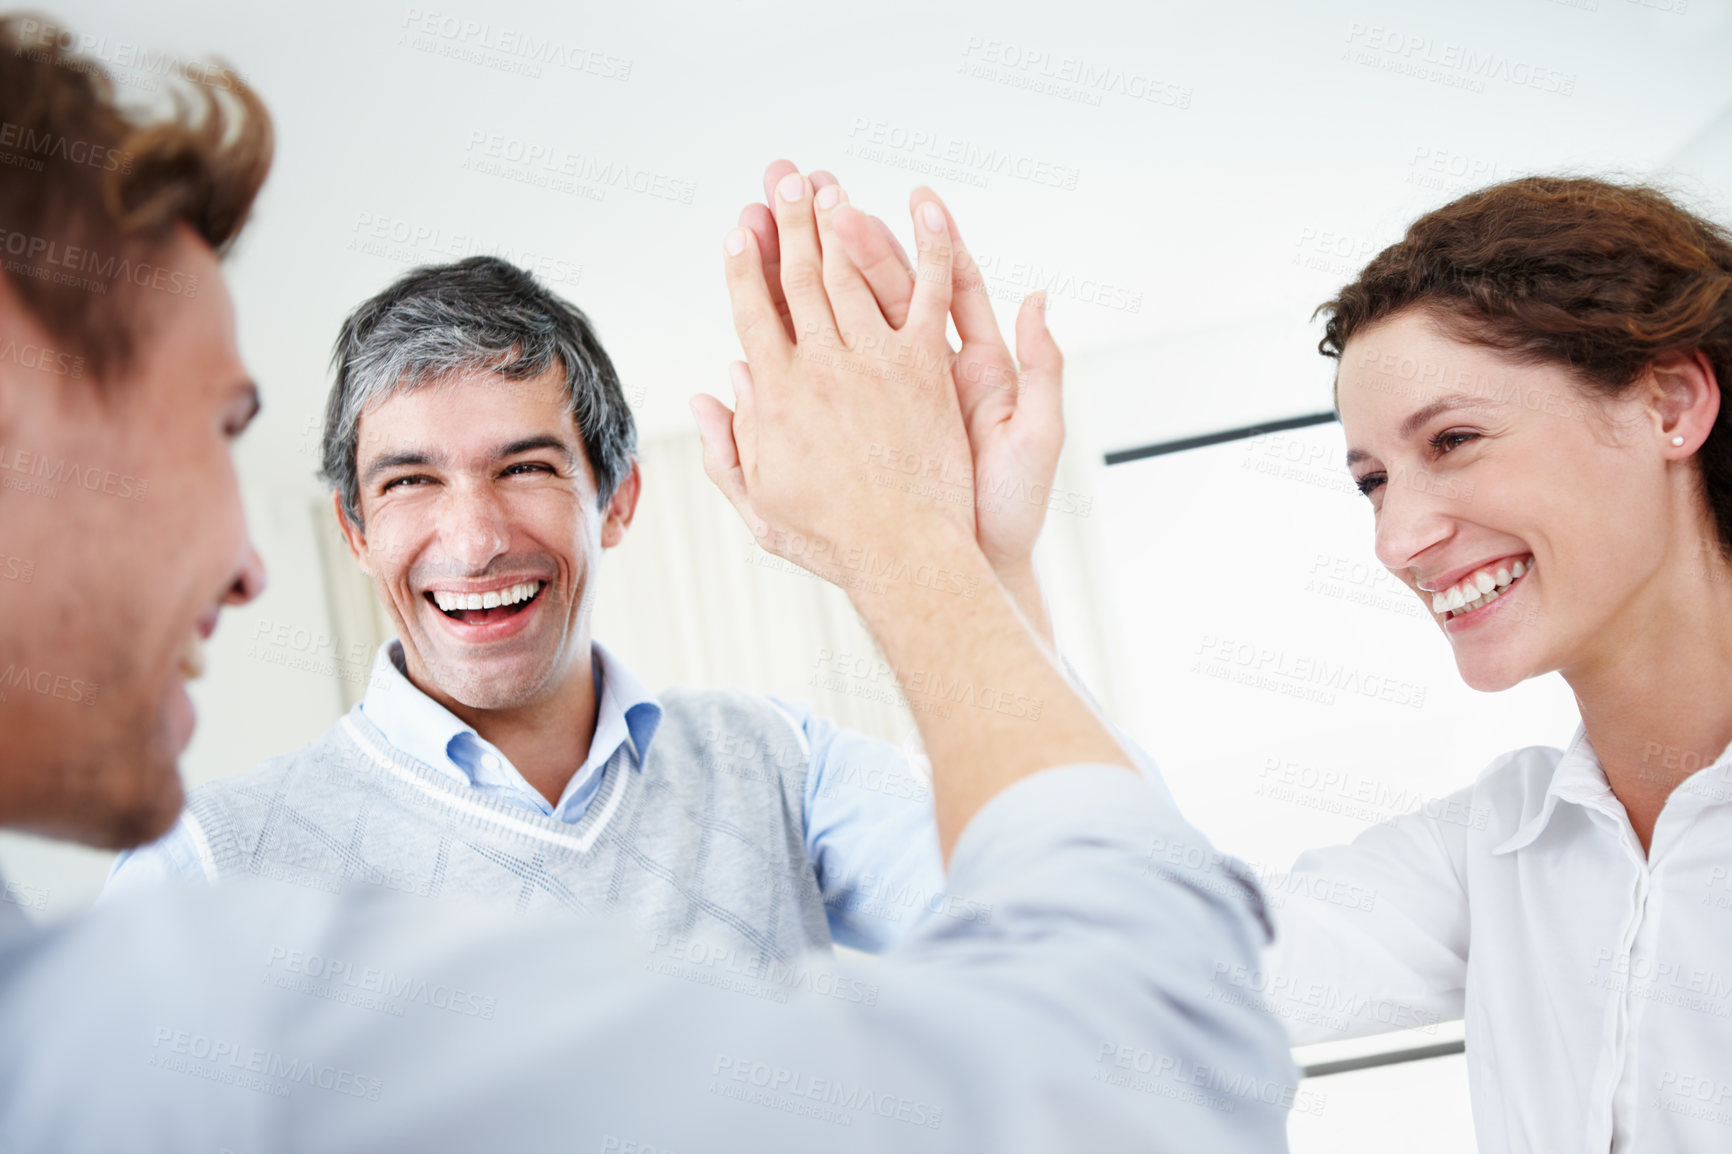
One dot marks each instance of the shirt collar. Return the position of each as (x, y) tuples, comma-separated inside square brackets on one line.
[(624, 697), (1576, 778), (430, 733), (409, 719)]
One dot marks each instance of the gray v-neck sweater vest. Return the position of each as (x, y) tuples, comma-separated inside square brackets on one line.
[(704, 840)]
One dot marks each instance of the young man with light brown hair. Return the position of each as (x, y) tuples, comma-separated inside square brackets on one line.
[(251, 1017)]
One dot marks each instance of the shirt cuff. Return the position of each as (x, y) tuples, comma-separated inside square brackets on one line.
[(1105, 806), (1098, 801)]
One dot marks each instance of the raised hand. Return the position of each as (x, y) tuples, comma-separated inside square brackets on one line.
[(825, 384), (1013, 415), (828, 378), (867, 240)]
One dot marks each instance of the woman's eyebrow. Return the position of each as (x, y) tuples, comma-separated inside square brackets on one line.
[(1456, 401), (1420, 416)]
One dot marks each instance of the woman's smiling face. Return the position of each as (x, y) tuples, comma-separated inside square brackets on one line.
[(1479, 469)]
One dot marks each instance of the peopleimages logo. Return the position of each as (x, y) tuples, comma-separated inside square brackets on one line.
[(1454, 65), (521, 44), (135, 63), (45, 259), (800, 1088), (66, 471), (42, 142), (268, 1071), (381, 981), (1310, 677), (46, 683)]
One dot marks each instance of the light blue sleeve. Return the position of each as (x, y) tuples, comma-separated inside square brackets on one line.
[(174, 857), (871, 835), (1082, 1013)]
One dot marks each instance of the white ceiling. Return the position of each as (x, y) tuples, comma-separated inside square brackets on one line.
[(1223, 222)]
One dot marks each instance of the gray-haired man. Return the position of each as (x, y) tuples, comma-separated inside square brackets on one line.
[(264, 1018), (483, 458)]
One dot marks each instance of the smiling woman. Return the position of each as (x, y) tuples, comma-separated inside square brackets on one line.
[(1605, 279), (1530, 387)]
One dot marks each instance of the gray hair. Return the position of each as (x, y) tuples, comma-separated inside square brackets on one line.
[(480, 313)]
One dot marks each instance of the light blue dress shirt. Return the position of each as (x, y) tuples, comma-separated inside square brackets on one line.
[(626, 718), (1081, 1014), (869, 831)]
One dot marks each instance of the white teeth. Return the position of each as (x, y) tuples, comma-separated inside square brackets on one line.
[(1479, 589), (493, 599)]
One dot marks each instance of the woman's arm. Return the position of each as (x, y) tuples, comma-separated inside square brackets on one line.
[(1369, 937)]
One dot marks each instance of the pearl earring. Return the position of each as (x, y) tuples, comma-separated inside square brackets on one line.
[(1678, 440)]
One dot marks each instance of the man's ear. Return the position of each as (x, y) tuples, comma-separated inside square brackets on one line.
[(621, 508), (1683, 401), (352, 534)]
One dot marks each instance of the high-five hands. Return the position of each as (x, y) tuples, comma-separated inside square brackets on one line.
[(827, 384), (830, 376), (1014, 418)]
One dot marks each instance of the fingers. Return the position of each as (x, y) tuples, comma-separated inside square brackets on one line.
[(762, 223), (868, 241), (745, 419), (756, 219), (851, 298), (970, 306), (1040, 383), (756, 320), (721, 455), (931, 300), (802, 259), (872, 248), (895, 246), (773, 176)]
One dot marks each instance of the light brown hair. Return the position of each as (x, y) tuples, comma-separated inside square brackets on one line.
[(1604, 279), (89, 190)]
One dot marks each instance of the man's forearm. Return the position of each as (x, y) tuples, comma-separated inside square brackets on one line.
[(1017, 714), (1023, 585)]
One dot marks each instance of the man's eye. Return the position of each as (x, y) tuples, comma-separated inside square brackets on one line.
[(529, 467), (395, 481)]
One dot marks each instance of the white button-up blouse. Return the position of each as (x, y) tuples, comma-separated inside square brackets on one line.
[(1595, 980)]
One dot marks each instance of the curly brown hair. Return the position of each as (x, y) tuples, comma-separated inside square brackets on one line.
[(90, 193), (1604, 279)]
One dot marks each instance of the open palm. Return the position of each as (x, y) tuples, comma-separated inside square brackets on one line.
[(1011, 406)]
